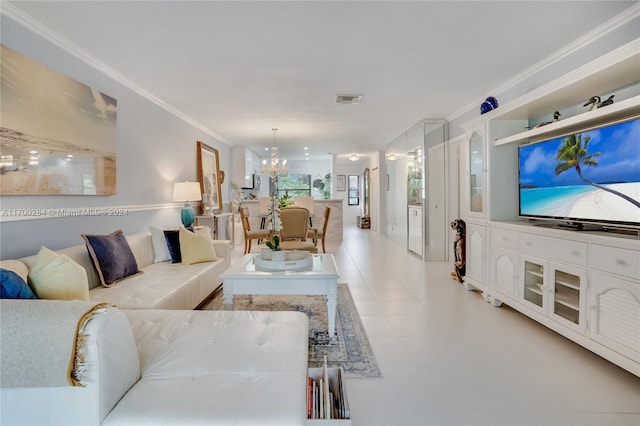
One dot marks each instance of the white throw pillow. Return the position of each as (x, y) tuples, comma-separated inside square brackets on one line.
[(159, 243), (55, 276), (196, 247)]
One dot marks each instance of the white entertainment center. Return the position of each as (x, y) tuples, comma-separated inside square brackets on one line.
[(584, 285)]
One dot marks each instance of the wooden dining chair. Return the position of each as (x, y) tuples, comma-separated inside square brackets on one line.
[(315, 234), (250, 235), (294, 223)]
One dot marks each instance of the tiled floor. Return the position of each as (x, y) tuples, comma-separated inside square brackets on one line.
[(449, 358)]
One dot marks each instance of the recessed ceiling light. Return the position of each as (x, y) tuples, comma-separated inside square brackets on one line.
[(306, 148), (354, 157)]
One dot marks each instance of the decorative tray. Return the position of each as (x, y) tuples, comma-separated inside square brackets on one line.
[(293, 260)]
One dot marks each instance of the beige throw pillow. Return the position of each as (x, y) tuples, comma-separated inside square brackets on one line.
[(55, 276), (196, 247), (16, 266)]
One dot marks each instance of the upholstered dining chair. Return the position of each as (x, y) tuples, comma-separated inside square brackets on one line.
[(307, 203), (315, 234), (294, 223), (250, 235)]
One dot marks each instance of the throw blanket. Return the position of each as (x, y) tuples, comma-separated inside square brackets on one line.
[(41, 341)]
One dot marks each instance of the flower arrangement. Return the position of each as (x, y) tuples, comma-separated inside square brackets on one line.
[(273, 221)]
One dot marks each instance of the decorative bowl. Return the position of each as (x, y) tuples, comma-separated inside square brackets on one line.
[(294, 260)]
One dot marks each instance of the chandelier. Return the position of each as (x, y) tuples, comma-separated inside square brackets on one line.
[(273, 168)]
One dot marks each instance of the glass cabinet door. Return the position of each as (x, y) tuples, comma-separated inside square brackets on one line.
[(534, 283), (476, 178)]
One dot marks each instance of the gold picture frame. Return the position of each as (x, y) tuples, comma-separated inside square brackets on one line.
[(210, 177)]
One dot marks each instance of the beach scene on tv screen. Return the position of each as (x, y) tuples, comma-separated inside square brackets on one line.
[(592, 175)]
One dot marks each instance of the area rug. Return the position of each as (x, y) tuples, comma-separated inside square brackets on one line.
[(349, 348)]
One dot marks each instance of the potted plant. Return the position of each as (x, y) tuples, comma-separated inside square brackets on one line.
[(277, 253), (326, 191)]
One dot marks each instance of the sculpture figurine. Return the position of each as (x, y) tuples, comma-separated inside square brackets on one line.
[(459, 226), (594, 102), (606, 102), (556, 115)]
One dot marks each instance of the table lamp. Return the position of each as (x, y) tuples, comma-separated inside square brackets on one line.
[(187, 191)]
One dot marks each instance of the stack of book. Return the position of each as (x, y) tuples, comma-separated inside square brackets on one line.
[(326, 396)]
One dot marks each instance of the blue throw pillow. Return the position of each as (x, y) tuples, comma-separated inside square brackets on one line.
[(12, 286), (173, 244), (111, 256)]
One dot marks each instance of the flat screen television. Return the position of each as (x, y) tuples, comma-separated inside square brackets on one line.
[(588, 177)]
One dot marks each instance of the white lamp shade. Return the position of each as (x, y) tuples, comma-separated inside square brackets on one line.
[(187, 191)]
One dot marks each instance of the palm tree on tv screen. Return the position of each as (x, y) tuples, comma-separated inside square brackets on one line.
[(573, 152)]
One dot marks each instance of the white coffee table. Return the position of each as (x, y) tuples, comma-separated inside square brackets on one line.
[(321, 279)]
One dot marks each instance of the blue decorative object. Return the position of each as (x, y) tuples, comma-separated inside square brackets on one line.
[(489, 104), (186, 215), (12, 286), (187, 191), (111, 256)]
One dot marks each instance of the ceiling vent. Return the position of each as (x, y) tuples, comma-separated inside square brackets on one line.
[(348, 99)]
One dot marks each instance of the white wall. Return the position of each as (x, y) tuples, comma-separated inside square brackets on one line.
[(155, 148)]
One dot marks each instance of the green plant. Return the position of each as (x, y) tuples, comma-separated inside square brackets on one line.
[(274, 244), (285, 201), (326, 191)]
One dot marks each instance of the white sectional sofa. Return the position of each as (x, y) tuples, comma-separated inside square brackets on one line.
[(163, 285), (151, 367)]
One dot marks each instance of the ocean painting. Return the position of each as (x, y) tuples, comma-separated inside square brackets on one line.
[(593, 175), (57, 135)]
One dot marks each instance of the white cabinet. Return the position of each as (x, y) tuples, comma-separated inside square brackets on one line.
[(555, 290), (615, 299), (504, 262), (583, 285), (615, 314), (246, 164), (415, 229), (475, 257)]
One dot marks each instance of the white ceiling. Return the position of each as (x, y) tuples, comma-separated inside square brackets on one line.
[(241, 68)]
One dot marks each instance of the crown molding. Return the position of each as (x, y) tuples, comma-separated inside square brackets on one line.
[(16, 14), (593, 35)]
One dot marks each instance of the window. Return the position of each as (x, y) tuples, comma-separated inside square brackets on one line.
[(293, 185), (354, 190)]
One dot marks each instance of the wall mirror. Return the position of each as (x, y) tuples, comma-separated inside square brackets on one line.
[(476, 178), (366, 207)]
